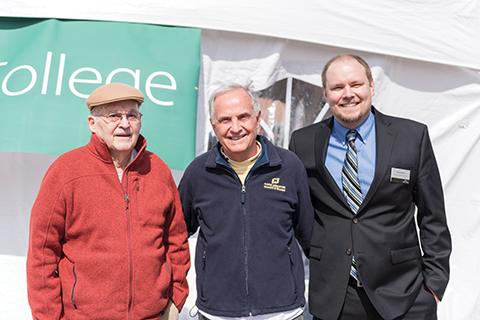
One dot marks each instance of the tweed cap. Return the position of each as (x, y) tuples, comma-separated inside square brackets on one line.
[(113, 92)]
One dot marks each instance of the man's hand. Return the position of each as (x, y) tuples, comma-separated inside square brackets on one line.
[(434, 294), (171, 313)]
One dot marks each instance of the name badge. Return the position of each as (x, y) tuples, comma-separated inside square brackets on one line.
[(400, 176)]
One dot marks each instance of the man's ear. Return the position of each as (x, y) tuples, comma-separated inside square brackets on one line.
[(259, 118), (91, 123), (213, 126)]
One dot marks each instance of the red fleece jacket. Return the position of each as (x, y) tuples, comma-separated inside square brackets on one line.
[(101, 249)]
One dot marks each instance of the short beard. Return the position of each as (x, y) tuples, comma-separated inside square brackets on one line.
[(356, 118)]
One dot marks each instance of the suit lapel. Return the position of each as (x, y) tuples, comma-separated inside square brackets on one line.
[(322, 137), (385, 138)]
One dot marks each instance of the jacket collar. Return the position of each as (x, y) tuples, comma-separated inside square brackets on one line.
[(269, 155), (100, 150)]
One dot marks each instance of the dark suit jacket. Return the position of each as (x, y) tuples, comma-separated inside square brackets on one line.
[(392, 264)]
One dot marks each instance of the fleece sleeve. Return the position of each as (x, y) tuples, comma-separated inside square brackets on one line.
[(303, 218), (47, 222), (178, 253)]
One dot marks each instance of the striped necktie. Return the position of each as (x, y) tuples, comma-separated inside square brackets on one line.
[(351, 185)]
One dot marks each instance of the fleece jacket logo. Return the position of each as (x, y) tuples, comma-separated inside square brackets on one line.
[(274, 185)]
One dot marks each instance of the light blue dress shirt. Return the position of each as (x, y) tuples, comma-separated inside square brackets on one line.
[(366, 144)]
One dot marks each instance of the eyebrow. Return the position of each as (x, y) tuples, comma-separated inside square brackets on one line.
[(334, 85), (245, 114), (223, 118), (127, 112), (123, 112)]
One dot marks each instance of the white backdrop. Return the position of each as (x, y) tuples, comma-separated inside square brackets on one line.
[(425, 61)]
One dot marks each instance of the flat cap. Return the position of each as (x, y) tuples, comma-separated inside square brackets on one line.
[(113, 92)]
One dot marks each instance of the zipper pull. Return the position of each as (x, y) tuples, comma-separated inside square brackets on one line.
[(203, 259), (243, 194), (290, 255), (126, 199)]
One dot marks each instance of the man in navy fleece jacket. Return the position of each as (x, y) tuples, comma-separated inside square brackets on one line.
[(251, 201)]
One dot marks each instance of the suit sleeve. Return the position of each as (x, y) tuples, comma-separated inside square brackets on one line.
[(431, 218), (291, 145), (47, 222), (178, 252)]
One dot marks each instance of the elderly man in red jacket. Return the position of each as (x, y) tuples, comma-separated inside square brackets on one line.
[(107, 234)]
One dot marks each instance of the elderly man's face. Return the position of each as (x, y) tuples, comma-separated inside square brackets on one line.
[(236, 125), (348, 92), (120, 137)]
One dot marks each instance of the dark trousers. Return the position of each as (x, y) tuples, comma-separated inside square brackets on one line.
[(357, 306), (202, 317)]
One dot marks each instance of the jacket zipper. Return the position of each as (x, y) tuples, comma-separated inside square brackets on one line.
[(246, 248), (130, 249), (243, 193)]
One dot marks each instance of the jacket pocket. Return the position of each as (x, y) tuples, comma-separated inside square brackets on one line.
[(204, 257), (137, 188), (73, 287), (316, 252), (68, 277), (407, 254), (291, 268)]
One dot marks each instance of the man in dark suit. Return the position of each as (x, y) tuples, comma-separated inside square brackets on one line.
[(370, 191)]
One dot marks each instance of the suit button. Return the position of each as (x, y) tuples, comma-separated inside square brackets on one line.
[(355, 220), (348, 252)]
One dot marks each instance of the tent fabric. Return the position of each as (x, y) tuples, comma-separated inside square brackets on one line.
[(437, 31), (445, 97), (425, 63)]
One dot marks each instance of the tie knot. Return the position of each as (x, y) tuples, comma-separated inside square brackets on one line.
[(352, 135)]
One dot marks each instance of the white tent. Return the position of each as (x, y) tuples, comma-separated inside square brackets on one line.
[(425, 60)]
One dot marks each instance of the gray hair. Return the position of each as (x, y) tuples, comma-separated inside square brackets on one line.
[(227, 87)]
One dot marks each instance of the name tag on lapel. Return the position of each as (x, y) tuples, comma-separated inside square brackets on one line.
[(400, 176)]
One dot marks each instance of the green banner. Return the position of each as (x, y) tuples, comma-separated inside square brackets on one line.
[(49, 67)]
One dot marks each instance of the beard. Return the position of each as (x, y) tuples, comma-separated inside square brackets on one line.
[(351, 117)]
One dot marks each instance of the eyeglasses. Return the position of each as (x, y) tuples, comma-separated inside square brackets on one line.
[(115, 118)]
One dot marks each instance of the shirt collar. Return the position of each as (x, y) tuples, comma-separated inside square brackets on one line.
[(364, 129)]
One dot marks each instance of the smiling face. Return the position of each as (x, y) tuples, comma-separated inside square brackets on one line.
[(348, 92), (236, 124), (120, 137)]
